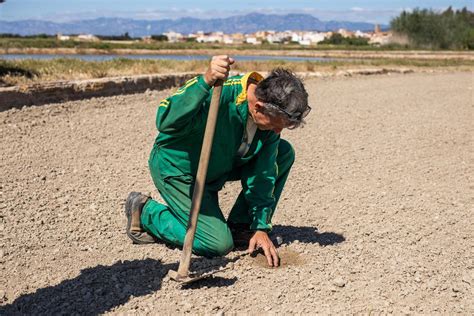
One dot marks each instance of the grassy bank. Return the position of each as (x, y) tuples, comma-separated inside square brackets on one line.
[(31, 71), (24, 43)]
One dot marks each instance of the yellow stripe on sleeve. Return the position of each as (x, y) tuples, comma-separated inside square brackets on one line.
[(186, 85), (232, 82), (164, 103)]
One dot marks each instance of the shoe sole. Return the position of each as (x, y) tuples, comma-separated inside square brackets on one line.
[(128, 213)]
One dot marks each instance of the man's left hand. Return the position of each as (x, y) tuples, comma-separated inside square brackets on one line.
[(261, 240)]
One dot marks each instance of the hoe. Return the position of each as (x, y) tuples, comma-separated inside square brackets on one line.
[(183, 275)]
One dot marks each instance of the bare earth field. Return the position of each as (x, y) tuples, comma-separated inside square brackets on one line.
[(377, 215)]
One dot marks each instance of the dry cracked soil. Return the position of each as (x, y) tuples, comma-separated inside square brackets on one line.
[(377, 215)]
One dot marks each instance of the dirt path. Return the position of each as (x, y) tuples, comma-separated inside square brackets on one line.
[(377, 215)]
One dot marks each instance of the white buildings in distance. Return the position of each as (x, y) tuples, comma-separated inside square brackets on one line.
[(274, 37), (307, 38)]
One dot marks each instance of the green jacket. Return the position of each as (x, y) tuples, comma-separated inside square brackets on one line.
[(181, 120)]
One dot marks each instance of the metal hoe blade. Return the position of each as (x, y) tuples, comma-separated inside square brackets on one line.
[(192, 277)]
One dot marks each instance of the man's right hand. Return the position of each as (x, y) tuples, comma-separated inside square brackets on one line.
[(218, 69), (261, 240)]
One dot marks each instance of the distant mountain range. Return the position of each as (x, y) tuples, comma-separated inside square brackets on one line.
[(244, 24)]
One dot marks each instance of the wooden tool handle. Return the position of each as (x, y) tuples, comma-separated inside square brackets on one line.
[(200, 180)]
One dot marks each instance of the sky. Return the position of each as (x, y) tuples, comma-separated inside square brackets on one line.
[(342, 10)]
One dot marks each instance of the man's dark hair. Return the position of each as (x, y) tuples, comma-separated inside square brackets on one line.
[(282, 88)]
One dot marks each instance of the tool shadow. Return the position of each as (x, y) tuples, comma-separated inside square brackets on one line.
[(94, 291)]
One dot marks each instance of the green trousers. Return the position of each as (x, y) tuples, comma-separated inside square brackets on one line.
[(213, 237)]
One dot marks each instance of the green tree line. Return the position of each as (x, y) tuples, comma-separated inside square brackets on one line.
[(338, 39), (437, 30)]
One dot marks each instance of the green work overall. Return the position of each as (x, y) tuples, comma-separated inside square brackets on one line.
[(173, 163)]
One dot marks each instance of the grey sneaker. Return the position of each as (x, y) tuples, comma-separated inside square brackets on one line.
[(133, 211)]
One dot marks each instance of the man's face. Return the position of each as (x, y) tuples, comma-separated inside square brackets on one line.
[(268, 122)]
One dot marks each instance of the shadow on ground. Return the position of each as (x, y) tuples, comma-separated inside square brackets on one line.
[(95, 291), (306, 234), (99, 289)]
